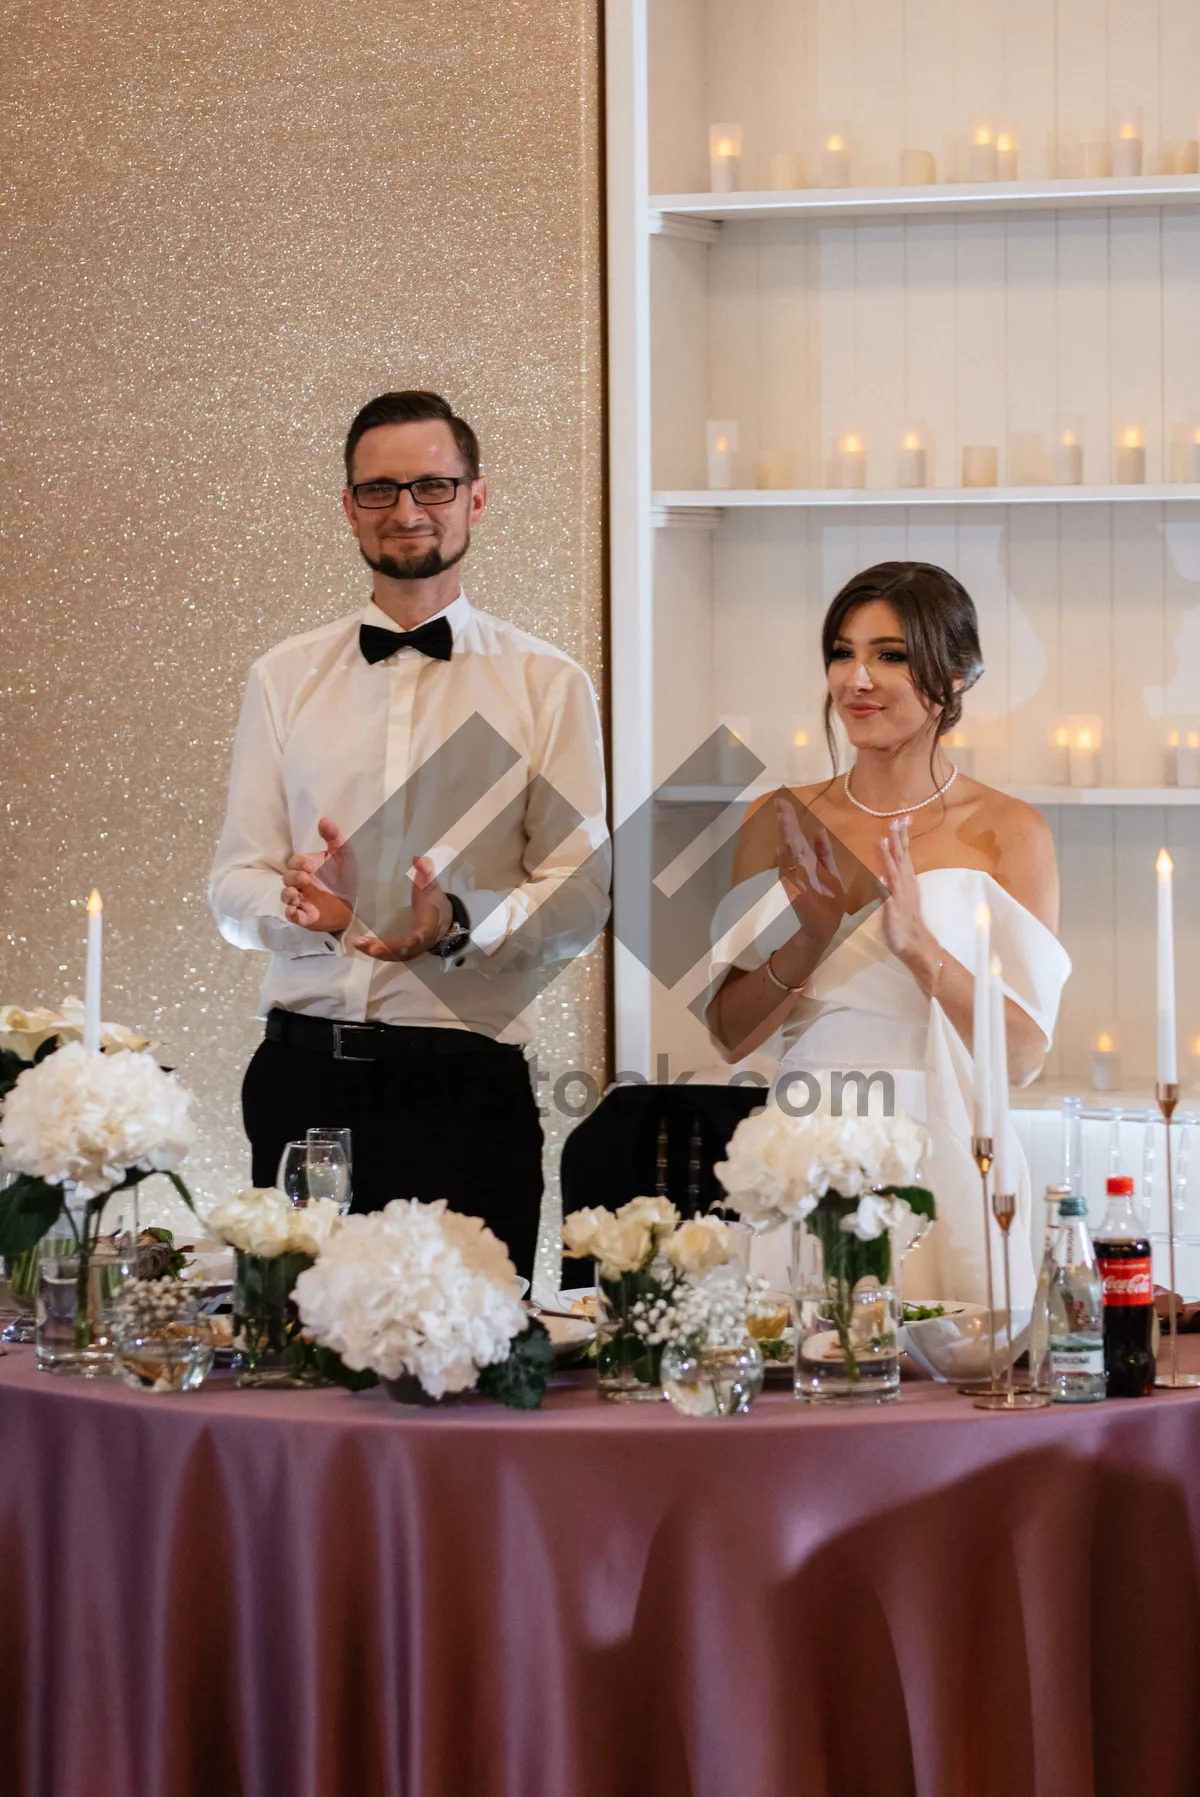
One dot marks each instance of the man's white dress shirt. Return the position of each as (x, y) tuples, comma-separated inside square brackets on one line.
[(324, 733)]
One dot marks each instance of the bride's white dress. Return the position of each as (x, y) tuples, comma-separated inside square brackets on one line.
[(862, 1011)]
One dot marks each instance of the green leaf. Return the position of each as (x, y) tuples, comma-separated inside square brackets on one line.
[(28, 1208), (918, 1198), (11, 1069), (521, 1380)]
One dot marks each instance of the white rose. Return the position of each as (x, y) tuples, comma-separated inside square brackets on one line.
[(579, 1232), (313, 1224), (700, 1245), (114, 1037), (623, 1245), (876, 1212), (659, 1213), (23, 1032)]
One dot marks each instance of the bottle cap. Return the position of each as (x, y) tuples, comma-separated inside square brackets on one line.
[(1120, 1185), (1072, 1207), (1056, 1194)]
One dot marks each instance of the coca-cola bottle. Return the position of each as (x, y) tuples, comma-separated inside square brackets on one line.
[(1123, 1254)]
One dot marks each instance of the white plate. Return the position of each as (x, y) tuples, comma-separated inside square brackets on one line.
[(563, 1303), (567, 1332)]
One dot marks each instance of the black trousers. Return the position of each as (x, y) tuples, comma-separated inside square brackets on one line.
[(463, 1127)]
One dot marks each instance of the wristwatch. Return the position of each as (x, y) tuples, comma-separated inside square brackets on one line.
[(459, 934)]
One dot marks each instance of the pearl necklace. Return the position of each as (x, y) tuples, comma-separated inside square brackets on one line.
[(901, 810)]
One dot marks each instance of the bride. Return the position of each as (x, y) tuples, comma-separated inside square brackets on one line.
[(848, 936)]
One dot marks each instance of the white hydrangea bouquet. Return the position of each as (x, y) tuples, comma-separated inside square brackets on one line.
[(77, 1126), (642, 1251), (274, 1241), (850, 1181), (427, 1301)]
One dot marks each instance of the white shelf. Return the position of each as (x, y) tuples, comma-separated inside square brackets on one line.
[(703, 505), (1033, 795), (871, 202)]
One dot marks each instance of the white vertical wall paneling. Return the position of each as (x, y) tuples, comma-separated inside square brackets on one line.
[(1085, 613), (687, 585), (1028, 100), (734, 76), (930, 103), (1089, 927), (878, 89), (788, 403), (982, 568), (929, 362), (1032, 560), (733, 352), (1135, 329), (1140, 833), (783, 37), (1180, 322), (979, 338), (1178, 61), (833, 71), (679, 349), (1082, 339), (1081, 69), (879, 346), (677, 56), (978, 67), (1030, 316), (1133, 68), (1133, 753), (840, 398)]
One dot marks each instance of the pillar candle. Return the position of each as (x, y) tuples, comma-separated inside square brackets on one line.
[(1131, 459), (982, 163), (730, 750), (980, 466), (799, 757), (1106, 1065), (724, 158), (849, 462), (917, 168), (1193, 458), (91, 1002), (914, 470), (1004, 1171), (1068, 460), (835, 162), (1168, 1066), (1127, 150), (1183, 759), (1084, 759), (721, 435), (981, 1042), (1006, 156)]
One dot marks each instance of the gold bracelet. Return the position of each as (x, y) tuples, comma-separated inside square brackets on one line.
[(775, 979)]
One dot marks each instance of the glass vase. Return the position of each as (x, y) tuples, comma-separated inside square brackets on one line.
[(20, 1280), (164, 1341), (74, 1320), (628, 1367), (720, 1380), (271, 1351), (847, 1311)]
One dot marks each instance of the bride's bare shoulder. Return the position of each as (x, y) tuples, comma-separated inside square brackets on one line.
[(1015, 841)]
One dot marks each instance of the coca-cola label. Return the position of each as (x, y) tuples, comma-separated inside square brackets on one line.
[(1127, 1281)]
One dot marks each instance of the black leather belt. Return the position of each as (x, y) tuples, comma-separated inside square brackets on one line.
[(377, 1041)]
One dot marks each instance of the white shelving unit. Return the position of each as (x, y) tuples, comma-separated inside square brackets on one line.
[(981, 314)]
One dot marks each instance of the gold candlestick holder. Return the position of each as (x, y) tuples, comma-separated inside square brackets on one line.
[(1168, 1098), (1010, 1397), (981, 1154)]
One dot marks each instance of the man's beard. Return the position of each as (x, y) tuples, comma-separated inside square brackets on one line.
[(422, 568)]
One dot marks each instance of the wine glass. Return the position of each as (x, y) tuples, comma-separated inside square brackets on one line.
[(309, 1170), (341, 1136)]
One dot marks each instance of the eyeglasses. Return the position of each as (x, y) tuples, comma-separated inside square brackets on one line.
[(429, 489)]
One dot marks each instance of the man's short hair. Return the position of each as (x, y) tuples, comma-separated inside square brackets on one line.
[(412, 407)]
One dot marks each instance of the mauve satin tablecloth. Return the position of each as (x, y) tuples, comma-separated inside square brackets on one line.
[(241, 1594)]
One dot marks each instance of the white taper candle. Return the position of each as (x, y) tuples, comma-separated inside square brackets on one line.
[(1168, 1064), (1003, 1170), (981, 1046), (91, 1002)]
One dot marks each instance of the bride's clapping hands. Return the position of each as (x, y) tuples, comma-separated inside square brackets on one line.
[(810, 877), (904, 929)]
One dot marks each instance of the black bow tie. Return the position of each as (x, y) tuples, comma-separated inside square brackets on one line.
[(434, 638)]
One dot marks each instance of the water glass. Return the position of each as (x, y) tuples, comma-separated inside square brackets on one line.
[(342, 1138), (317, 1169), (164, 1339)]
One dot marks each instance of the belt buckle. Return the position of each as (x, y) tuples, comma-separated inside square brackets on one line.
[(339, 1053)]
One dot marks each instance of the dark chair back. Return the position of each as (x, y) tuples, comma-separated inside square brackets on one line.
[(654, 1141)]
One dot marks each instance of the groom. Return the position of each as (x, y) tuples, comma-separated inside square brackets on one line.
[(412, 1033)]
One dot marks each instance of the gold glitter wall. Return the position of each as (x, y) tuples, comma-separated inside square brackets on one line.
[(226, 226)]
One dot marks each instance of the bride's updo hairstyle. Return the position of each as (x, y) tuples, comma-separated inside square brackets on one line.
[(941, 634)]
